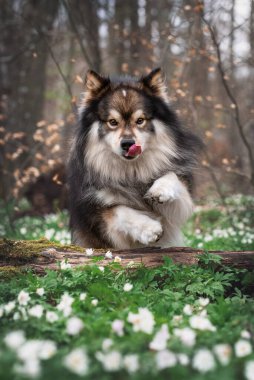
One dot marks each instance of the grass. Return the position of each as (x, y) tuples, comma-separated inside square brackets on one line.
[(176, 321)]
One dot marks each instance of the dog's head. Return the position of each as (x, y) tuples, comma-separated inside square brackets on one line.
[(124, 110)]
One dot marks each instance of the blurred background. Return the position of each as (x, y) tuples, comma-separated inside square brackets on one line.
[(206, 50)]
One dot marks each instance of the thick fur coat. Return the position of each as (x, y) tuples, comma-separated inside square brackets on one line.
[(125, 202)]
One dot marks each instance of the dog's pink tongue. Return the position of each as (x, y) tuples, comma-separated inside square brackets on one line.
[(134, 150)]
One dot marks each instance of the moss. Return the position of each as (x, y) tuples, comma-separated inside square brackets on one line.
[(7, 272), (23, 251)]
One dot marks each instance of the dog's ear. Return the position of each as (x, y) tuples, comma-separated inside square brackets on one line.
[(95, 83), (154, 83)]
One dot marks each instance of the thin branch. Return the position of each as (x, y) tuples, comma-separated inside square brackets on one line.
[(209, 166), (232, 99), (68, 87), (74, 28), (23, 50), (214, 178)]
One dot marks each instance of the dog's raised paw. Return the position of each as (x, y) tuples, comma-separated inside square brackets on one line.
[(161, 192)]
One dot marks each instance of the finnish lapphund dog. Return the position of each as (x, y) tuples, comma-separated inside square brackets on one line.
[(130, 165)]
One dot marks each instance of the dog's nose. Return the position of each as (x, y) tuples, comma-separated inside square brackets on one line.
[(127, 143)]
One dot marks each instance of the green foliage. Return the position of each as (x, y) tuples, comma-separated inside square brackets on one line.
[(53, 226), (220, 297), (164, 291), (220, 228)]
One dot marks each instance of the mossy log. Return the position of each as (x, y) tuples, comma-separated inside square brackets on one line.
[(40, 255)]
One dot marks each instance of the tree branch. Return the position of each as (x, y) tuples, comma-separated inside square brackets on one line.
[(75, 30), (41, 255), (232, 99)]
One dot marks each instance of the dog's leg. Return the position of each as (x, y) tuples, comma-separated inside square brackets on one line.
[(171, 199), (166, 189), (127, 228)]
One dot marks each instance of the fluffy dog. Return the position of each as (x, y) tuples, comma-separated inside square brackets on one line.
[(130, 165)]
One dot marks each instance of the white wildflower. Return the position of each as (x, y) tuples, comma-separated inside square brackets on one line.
[(111, 361), (47, 350), (223, 353), (101, 269), (203, 301), (127, 287), (82, 296), (245, 334), (243, 348), (203, 313), (77, 362), (208, 238), (74, 326), (186, 335), (249, 370), (36, 311), (94, 302), (9, 307), (65, 265), (40, 291), (30, 368), (89, 251), (106, 344), (203, 361), (142, 321), (23, 230), (29, 350), (49, 233), (65, 304), (51, 316), (15, 339), (108, 255), (165, 359), (117, 326), (23, 298), (131, 363), (117, 259), (183, 359), (188, 309), (16, 316), (199, 322), (160, 339)]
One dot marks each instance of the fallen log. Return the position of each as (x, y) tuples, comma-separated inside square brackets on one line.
[(40, 255)]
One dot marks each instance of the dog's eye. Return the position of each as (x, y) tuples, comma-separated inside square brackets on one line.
[(140, 121), (113, 123)]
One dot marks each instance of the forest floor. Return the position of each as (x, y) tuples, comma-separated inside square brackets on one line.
[(174, 321)]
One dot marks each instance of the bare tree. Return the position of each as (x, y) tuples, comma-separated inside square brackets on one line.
[(23, 62)]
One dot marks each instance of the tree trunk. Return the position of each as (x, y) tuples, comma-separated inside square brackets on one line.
[(24, 53), (40, 255)]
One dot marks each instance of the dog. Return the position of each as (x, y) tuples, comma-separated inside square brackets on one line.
[(130, 169)]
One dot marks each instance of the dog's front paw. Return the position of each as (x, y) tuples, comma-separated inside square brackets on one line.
[(163, 191), (146, 230)]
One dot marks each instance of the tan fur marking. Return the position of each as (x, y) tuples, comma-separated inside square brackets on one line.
[(114, 114), (137, 114), (107, 215)]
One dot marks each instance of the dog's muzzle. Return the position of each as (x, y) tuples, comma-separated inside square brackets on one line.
[(125, 145)]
